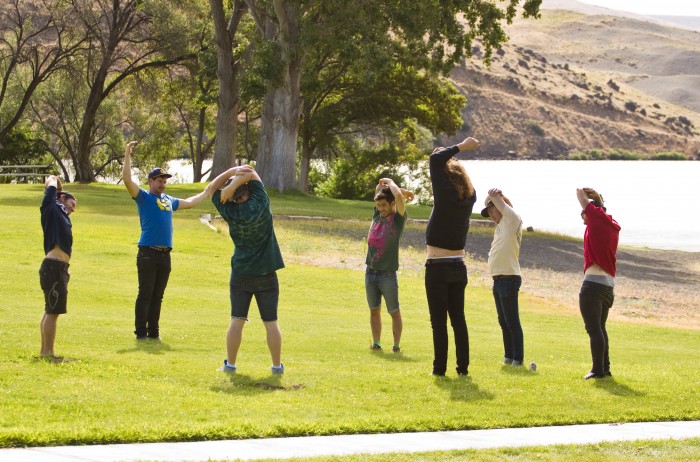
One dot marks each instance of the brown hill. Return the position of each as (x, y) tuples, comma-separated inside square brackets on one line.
[(573, 82)]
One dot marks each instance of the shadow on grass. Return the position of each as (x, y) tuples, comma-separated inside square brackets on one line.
[(462, 388), (518, 370), (246, 385), (153, 347), (616, 388), (394, 357)]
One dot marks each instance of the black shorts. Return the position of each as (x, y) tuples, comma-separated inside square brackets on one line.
[(53, 276)]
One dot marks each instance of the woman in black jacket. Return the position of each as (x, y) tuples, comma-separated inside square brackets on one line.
[(445, 236)]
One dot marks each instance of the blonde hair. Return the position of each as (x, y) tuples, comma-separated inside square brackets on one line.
[(459, 178)]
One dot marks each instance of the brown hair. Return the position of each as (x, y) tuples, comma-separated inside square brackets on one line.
[(385, 194), (459, 178)]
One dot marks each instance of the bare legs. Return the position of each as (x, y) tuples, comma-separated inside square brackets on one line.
[(48, 334), (375, 322), (235, 335)]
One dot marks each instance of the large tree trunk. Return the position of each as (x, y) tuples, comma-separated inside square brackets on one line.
[(227, 73), (84, 173), (279, 130), (305, 164)]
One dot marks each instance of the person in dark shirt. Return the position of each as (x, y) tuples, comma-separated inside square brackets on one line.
[(445, 270), (53, 274), (245, 206), (597, 295), (382, 259)]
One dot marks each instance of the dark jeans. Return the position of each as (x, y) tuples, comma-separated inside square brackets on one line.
[(505, 294), (154, 271), (444, 287), (595, 301)]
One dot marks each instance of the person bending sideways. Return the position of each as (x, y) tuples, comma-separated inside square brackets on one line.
[(382, 259), (244, 204), (446, 236), (597, 295), (53, 273)]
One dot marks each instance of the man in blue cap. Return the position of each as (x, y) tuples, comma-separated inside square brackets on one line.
[(153, 259)]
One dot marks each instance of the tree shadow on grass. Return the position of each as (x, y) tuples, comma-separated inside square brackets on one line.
[(152, 347), (463, 388), (245, 385), (616, 388)]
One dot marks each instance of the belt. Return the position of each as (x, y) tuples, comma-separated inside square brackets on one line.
[(434, 261), (504, 276), (156, 248)]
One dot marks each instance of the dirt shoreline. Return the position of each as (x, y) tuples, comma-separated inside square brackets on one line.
[(658, 287)]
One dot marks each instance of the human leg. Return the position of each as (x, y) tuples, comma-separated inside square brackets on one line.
[(436, 292), (396, 328), (53, 277), (147, 270), (274, 341), (457, 283), (591, 305), (375, 323), (374, 301), (234, 336), (506, 295), (163, 268), (48, 333)]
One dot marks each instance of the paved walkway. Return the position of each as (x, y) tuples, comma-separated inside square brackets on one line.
[(310, 446)]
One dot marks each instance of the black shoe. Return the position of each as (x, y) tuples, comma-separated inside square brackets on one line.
[(593, 375), (608, 374), (141, 337)]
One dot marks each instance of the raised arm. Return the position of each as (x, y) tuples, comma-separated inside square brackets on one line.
[(496, 197), (582, 197), (398, 195), (239, 175), (130, 184)]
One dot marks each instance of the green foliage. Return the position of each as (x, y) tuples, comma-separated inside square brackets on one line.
[(613, 154), (670, 156), (535, 128), (631, 106), (21, 147), (619, 154)]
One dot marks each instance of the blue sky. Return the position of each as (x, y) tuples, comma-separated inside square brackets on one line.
[(652, 7)]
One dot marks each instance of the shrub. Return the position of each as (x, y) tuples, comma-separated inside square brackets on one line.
[(669, 156), (631, 106), (535, 128)]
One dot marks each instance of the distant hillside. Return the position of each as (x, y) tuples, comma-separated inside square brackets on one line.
[(572, 82)]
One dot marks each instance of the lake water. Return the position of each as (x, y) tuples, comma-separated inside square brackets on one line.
[(655, 202)]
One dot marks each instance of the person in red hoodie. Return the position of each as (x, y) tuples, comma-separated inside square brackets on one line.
[(597, 295)]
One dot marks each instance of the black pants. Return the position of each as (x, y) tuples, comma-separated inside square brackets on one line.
[(595, 301), (154, 271), (444, 287)]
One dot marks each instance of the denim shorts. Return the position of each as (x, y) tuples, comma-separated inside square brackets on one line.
[(378, 283), (54, 277), (266, 290)]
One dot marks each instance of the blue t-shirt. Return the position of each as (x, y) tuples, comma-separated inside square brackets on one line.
[(256, 252), (57, 227), (156, 214)]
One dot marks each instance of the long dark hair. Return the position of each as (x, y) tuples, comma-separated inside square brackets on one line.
[(459, 178)]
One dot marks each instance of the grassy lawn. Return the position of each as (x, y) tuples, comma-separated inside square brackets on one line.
[(112, 389)]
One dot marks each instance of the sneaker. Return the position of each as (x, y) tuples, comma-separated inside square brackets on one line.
[(516, 363), (375, 346), (277, 370), (507, 361), (229, 369), (396, 349)]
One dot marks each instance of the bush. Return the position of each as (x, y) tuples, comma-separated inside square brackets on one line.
[(631, 106), (535, 128), (623, 155), (669, 156)]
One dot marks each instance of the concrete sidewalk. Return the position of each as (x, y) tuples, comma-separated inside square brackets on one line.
[(310, 446)]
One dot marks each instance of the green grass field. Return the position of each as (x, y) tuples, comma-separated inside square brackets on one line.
[(113, 389)]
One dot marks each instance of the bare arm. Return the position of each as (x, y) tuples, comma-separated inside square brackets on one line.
[(468, 144), (240, 175), (193, 200), (496, 197), (398, 196), (582, 197), (129, 182)]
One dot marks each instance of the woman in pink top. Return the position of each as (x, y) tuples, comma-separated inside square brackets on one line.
[(596, 296)]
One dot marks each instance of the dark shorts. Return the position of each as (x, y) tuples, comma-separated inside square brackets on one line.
[(266, 290), (54, 277)]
